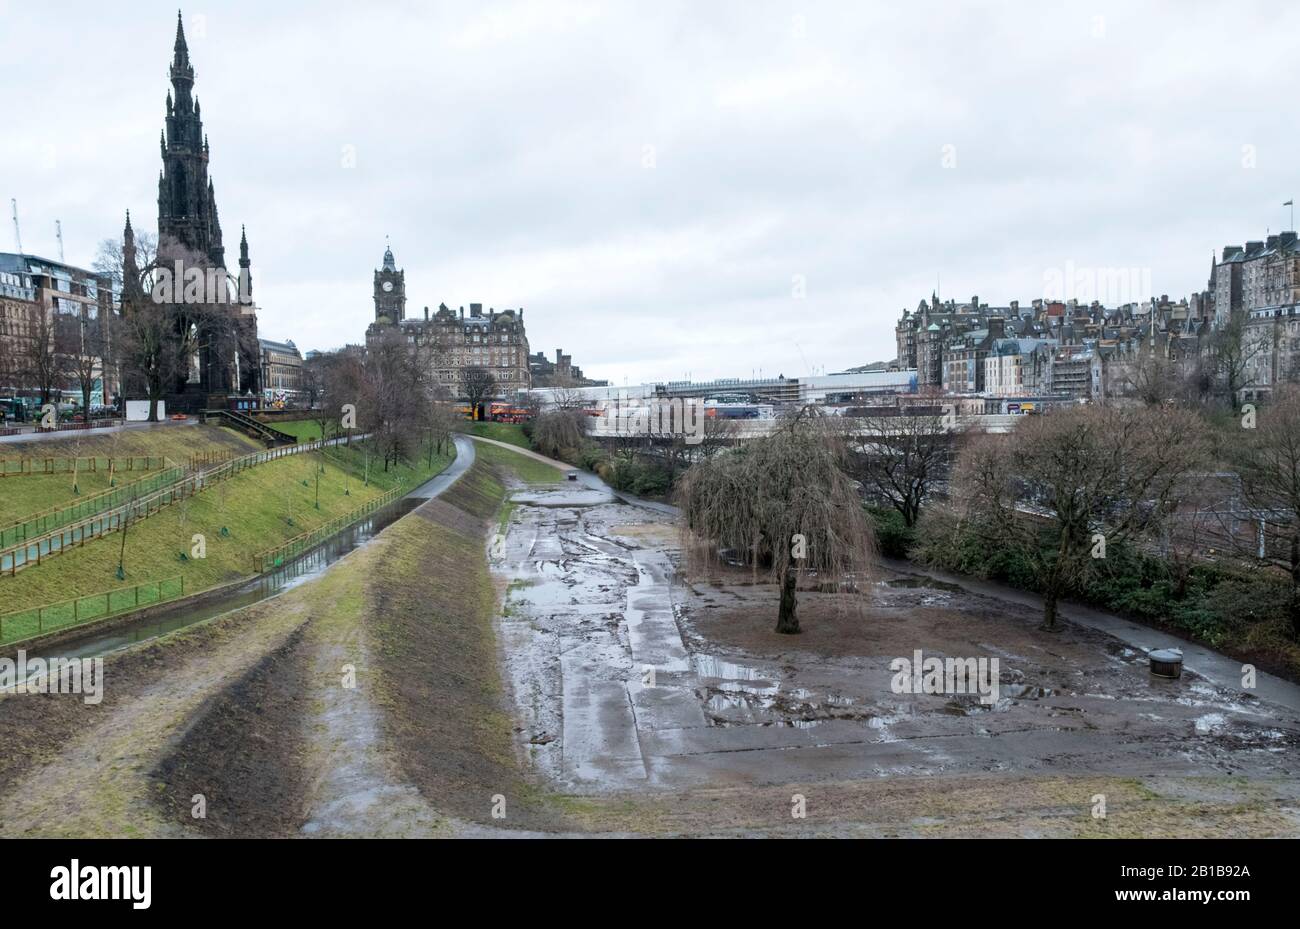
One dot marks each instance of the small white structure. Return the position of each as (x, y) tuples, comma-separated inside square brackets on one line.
[(137, 411)]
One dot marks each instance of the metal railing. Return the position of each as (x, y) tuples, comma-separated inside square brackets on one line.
[(266, 432), (93, 424), (272, 558), (47, 521), (201, 460), (17, 557), (37, 620)]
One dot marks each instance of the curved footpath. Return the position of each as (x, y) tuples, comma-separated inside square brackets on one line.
[(72, 434)]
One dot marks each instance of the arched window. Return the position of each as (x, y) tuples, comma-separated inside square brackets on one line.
[(178, 190)]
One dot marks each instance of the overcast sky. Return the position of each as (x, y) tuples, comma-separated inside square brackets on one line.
[(704, 187)]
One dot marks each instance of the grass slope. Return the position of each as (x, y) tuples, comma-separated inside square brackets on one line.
[(174, 442), (28, 495), (260, 508), (304, 430), (502, 432), (432, 606), (529, 470), (420, 597)]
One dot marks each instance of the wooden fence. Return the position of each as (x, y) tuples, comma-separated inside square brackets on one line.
[(272, 558), (26, 554), (20, 467), (33, 621), (46, 522)]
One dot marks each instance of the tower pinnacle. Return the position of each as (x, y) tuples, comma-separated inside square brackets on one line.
[(181, 55)]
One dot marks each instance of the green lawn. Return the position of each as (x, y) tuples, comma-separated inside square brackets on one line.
[(30, 494), (360, 464), (308, 430), (503, 432), (259, 509), (304, 430), (40, 504), (176, 442), (529, 470)]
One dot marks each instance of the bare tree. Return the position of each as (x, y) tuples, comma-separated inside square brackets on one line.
[(151, 348), (1067, 483), (110, 261), (680, 451), (785, 501), (1152, 377), (44, 364), (85, 344), (10, 361), (566, 395), (1237, 350), (899, 459), (1200, 524), (397, 388), (147, 340), (325, 391), (480, 386), (560, 432), (1268, 462), (442, 422)]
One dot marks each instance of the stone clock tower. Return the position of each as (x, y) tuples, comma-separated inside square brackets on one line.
[(390, 291)]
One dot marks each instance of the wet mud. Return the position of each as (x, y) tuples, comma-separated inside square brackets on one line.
[(627, 677)]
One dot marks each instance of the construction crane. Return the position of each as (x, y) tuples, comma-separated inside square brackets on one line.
[(58, 234), (18, 238)]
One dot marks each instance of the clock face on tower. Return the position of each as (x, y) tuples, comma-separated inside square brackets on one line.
[(388, 287)]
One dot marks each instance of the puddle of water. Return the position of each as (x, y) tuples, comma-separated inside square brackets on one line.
[(1210, 723), (915, 580), (562, 498), (1025, 691), (713, 666), (964, 705)]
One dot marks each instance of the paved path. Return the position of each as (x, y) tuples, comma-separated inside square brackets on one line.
[(51, 435), (464, 459)]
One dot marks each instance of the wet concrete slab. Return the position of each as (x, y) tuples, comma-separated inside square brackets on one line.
[(669, 705), (600, 732)]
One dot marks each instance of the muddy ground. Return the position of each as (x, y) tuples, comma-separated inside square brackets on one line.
[(552, 673), (629, 679)]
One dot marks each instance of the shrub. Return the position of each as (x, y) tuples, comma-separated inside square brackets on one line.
[(893, 535), (1220, 606)]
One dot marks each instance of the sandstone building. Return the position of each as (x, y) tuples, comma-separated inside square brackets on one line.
[(452, 341)]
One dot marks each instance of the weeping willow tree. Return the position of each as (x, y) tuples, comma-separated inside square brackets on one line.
[(560, 432), (785, 502)]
